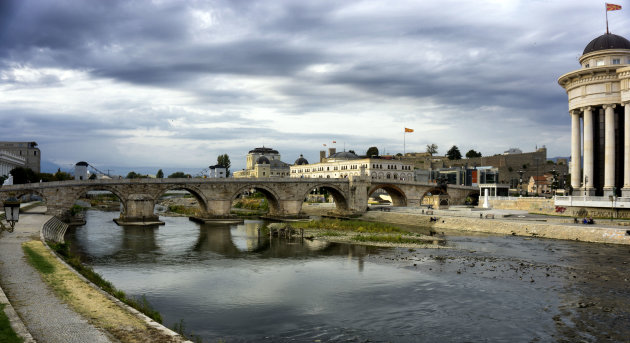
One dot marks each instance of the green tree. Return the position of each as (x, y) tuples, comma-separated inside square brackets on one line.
[(62, 176), (134, 175), (472, 153), (432, 149), (160, 174), (372, 151), (453, 153), (178, 175), (92, 176), (23, 175), (224, 161)]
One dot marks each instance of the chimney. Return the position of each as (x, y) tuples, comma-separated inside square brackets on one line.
[(331, 151), (322, 156)]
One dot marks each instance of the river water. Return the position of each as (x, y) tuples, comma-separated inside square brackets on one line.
[(225, 283)]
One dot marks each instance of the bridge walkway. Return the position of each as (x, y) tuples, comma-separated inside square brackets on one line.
[(46, 317)]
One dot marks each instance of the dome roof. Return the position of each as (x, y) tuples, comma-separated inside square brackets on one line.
[(82, 163), (607, 41), (301, 161), (262, 160), (344, 155), (263, 150)]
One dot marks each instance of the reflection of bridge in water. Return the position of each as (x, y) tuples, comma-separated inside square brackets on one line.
[(215, 196), (190, 241)]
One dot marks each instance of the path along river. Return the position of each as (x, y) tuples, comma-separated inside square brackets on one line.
[(227, 284)]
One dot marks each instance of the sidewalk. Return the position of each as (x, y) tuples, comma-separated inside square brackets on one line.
[(45, 316)]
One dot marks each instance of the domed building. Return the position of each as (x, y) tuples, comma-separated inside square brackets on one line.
[(598, 95), (263, 163)]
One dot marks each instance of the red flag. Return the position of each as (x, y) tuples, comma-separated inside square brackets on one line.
[(335, 142), (612, 7), (408, 130)]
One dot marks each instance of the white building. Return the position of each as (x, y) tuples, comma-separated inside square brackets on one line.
[(599, 105), (81, 171), (345, 164), (8, 161), (217, 172), (27, 150)]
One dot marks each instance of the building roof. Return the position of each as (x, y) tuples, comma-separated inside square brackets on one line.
[(607, 41), (263, 150), (344, 155), (301, 161), (82, 163), (216, 166), (262, 160)]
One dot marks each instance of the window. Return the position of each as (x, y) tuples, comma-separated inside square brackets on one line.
[(587, 65), (34, 153), (616, 61), (599, 63)]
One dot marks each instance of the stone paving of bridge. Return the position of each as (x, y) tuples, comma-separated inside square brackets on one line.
[(47, 318)]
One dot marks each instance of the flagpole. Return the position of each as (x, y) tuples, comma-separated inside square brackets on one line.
[(607, 19), (404, 141)]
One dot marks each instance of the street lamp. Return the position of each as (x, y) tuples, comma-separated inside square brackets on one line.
[(11, 212), (520, 182)]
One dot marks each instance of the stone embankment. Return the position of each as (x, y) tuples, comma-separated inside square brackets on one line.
[(535, 228)]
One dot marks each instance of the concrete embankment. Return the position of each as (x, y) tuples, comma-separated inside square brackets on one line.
[(579, 232)]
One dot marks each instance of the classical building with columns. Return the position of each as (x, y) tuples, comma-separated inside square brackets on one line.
[(599, 104)]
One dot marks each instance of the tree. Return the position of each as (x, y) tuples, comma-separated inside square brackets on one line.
[(23, 175), (472, 153), (453, 153), (133, 175), (178, 175), (432, 149), (160, 174), (93, 176), (372, 151), (224, 161)]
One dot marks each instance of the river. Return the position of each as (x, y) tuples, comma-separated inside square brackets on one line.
[(225, 283)]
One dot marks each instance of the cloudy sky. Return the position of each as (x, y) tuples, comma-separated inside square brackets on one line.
[(175, 83)]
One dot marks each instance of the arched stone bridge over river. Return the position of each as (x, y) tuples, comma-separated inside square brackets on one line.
[(215, 196)]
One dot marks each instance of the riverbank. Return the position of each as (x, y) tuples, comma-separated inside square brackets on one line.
[(55, 304), (520, 225)]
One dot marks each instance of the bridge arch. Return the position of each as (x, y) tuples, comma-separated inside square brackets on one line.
[(341, 201), (193, 190), (399, 198), (271, 196), (84, 190)]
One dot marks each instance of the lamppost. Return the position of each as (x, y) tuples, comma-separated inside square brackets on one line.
[(554, 181), (585, 185), (520, 182), (612, 198), (11, 213)]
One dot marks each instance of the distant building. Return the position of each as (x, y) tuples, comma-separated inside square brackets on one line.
[(263, 163), (81, 171), (346, 164), (512, 151), (217, 172), (26, 150)]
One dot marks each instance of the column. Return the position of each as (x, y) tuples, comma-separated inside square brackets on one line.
[(626, 151), (589, 166), (576, 175), (609, 149)]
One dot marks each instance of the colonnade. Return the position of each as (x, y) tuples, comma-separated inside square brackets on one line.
[(586, 184)]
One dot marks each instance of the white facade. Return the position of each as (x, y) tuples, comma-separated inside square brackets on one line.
[(81, 171), (9, 161), (217, 172), (374, 168), (599, 105)]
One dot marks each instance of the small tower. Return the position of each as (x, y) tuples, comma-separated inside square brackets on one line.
[(81, 171)]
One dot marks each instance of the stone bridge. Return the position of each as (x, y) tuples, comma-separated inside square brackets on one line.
[(215, 196)]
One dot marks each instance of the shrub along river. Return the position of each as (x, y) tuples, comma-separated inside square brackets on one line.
[(225, 283)]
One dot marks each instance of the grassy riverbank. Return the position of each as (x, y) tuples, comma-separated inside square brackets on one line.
[(100, 311), (370, 233)]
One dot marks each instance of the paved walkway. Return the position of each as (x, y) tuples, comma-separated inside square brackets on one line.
[(46, 317)]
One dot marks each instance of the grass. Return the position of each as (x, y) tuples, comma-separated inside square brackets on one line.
[(98, 309), (349, 225), (387, 239), (141, 304), (185, 210), (7, 335)]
